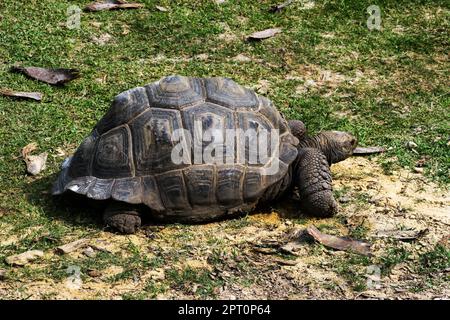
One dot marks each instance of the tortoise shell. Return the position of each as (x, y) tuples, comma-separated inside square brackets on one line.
[(127, 157)]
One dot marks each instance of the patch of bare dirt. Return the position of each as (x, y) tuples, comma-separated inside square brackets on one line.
[(242, 257)]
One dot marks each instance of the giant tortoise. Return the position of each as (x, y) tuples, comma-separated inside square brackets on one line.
[(128, 160)]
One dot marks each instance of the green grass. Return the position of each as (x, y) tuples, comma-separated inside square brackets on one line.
[(402, 96), (197, 281), (393, 256), (353, 268)]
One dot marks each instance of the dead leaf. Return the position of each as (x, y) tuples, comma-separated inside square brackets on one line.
[(262, 87), (162, 9), (291, 247), (29, 148), (285, 262), (260, 35), (445, 241), (402, 235), (100, 248), (265, 250), (339, 243), (102, 39), (112, 5), (126, 29), (308, 5), (24, 258), (72, 246), (363, 151), (242, 58), (50, 76), (279, 7), (19, 94)]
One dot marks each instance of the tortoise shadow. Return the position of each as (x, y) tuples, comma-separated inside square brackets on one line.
[(80, 211), (70, 208), (288, 207)]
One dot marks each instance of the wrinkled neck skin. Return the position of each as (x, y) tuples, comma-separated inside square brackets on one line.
[(325, 144)]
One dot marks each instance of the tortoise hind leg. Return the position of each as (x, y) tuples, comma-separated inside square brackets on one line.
[(313, 178), (122, 217)]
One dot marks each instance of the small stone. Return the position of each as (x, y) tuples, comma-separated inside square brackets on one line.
[(94, 273), (202, 56), (310, 83), (157, 274), (36, 164), (162, 9), (411, 145), (89, 252), (344, 199), (418, 170), (242, 58)]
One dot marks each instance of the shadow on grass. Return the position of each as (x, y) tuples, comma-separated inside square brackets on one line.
[(70, 208), (80, 211)]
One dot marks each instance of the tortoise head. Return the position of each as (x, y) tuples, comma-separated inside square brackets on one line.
[(338, 145)]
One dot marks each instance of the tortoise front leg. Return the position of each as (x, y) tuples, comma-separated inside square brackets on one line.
[(313, 179), (123, 217)]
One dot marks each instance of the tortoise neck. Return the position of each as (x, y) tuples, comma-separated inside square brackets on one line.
[(321, 142)]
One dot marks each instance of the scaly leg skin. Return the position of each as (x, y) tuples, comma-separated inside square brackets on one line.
[(297, 128), (313, 178), (122, 217)]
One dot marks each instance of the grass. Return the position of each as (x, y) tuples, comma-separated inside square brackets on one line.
[(197, 281), (393, 257), (353, 268), (395, 90)]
